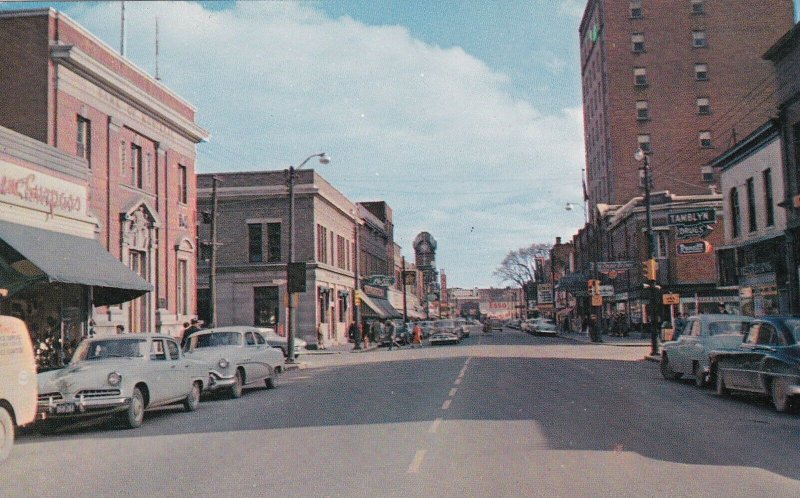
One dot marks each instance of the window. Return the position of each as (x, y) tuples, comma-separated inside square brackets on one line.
[(342, 307), (83, 142), (254, 242), (736, 215), (249, 339), (172, 348), (701, 72), (330, 259), (662, 245), (122, 165), (707, 172), (698, 7), (136, 166), (183, 194), (265, 306), (699, 39), (157, 350), (705, 139), (183, 287), (259, 338), (637, 42), (273, 242), (751, 205), (703, 106), (322, 243), (636, 9), (768, 200), (340, 252), (644, 143), (640, 76), (642, 111)]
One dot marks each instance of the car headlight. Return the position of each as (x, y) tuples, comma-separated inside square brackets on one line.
[(223, 363), (114, 378)]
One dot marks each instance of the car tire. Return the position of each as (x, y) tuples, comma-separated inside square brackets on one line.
[(6, 433), (666, 370), (133, 417), (192, 401), (271, 382), (779, 392), (235, 390), (722, 389), (700, 378)]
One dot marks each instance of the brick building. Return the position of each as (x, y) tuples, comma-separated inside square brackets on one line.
[(682, 80), (66, 88), (253, 238)]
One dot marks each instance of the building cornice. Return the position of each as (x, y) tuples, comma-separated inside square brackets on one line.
[(40, 154), (87, 67)]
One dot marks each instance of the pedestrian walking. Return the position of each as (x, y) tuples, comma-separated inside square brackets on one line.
[(320, 337), (364, 336), (390, 334), (416, 336), (194, 326), (120, 329), (352, 331)]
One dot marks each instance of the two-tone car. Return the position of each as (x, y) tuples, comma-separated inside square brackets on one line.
[(687, 353), (767, 362), (444, 337), (122, 375), (237, 357), (281, 342)]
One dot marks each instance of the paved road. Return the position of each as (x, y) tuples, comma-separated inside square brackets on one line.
[(504, 414)]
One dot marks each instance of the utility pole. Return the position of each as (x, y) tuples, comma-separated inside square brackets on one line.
[(403, 276), (212, 278), (651, 265), (289, 296), (357, 283)]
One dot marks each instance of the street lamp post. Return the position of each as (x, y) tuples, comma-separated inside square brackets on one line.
[(357, 282), (640, 155), (323, 159)]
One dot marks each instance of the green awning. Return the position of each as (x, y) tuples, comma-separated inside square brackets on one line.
[(29, 254)]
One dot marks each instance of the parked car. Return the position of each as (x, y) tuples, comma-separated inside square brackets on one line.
[(766, 362), (281, 342), (545, 327), (448, 326), (124, 374), (238, 356), (687, 353), (17, 398), (443, 337), (495, 324)]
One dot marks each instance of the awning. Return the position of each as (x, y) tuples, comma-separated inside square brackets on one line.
[(381, 307), (412, 313), (572, 282), (34, 254)]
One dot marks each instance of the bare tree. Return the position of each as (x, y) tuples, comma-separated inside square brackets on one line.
[(521, 266)]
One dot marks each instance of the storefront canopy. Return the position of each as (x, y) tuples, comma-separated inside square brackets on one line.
[(29, 254), (381, 307)]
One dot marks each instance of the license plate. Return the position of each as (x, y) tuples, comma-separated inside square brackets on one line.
[(65, 408)]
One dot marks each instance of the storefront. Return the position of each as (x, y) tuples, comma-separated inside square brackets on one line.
[(53, 272)]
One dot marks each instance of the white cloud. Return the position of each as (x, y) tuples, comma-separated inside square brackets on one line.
[(456, 154)]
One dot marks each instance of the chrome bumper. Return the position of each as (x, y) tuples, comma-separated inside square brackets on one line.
[(80, 406), (218, 381)]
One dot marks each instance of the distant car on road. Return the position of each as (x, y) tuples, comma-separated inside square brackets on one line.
[(687, 353), (766, 362), (439, 338), (17, 381), (281, 342), (237, 357), (545, 327), (495, 324), (122, 374)]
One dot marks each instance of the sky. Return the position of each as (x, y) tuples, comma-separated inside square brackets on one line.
[(464, 116)]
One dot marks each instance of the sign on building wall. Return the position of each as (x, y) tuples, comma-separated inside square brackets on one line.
[(545, 293), (688, 248), (697, 217), (31, 189)]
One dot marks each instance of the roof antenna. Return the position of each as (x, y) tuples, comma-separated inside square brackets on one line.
[(122, 30), (158, 78)]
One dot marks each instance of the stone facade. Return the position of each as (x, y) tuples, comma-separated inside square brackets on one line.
[(73, 92)]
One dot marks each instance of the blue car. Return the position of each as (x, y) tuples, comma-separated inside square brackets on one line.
[(767, 362)]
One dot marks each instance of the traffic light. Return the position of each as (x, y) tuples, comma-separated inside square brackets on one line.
[(649, 269), (593, 287)]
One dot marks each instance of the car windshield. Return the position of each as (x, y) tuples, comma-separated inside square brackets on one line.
[(215, 339), (793, 325), (111, 348), (728, 327)]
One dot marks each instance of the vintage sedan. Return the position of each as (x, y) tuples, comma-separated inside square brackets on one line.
[(766, 362), (444, 338), (281, 342), (238, 356), (687, 353), (122, 375)]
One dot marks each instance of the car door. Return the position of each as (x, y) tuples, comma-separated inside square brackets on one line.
[(254, 370), (266, 355), (181, 378), (160, 373), (686, 345), (738, 365), (769, 339)]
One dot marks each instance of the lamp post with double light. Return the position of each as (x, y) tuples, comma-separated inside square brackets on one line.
[(290, 281), (646, 175)]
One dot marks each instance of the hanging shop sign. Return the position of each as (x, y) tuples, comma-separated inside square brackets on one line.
[(607, 290), (689, 248), (692, 232), (379, 281), (608, 266), (692, 218), (671, 299)]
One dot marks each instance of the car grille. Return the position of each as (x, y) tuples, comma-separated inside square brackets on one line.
[(46, 397), (96, 393)]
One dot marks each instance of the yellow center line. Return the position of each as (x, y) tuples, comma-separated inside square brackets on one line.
[(446, 404), (416, 463), (435, 426), (453, 392)]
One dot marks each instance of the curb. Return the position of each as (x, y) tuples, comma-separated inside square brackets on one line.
[(605, 343), (654, 358)]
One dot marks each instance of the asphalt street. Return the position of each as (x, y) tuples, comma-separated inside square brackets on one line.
[(504, 414)]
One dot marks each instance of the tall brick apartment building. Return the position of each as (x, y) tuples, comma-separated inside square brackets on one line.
[(136, 138), (681, 79)]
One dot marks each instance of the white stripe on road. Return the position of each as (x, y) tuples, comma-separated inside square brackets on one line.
[(458, 381), (446, 404), (435, 426), (453, 392), (416, 463)]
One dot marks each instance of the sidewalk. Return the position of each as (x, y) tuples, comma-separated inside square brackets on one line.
[(608, 340)]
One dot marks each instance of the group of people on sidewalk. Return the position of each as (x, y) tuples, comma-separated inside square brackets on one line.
[(385, 330)]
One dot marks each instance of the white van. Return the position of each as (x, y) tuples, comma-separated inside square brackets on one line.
[(17, 381)]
